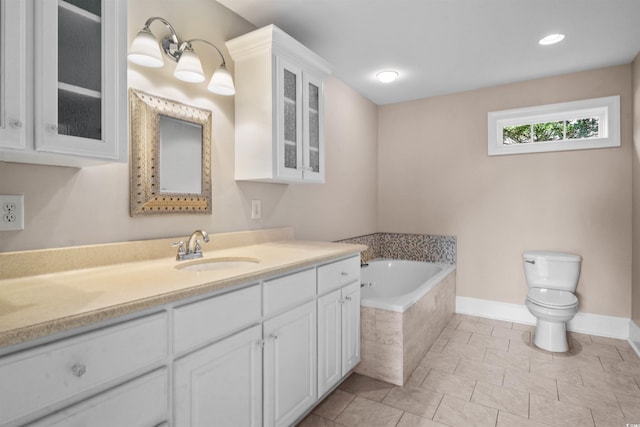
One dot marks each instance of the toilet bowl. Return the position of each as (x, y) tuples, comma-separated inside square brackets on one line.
[(552, 278)]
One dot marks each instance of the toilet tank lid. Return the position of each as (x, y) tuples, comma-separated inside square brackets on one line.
[(550, 255)]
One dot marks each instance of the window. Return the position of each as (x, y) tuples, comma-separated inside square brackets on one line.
[(578, 125)]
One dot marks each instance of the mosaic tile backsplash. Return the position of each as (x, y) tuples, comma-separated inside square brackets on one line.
[(416, 247)]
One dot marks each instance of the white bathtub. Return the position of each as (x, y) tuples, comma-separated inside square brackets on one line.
[(396, 285)]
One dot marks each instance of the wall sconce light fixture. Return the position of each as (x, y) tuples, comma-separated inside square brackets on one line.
[(145, 50)]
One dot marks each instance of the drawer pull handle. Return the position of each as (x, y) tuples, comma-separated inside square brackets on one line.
[(347, 298), (344, 273), (78, 369)]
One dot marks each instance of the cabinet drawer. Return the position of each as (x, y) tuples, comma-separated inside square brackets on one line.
[(139, 403), (288, 291), (205, 321), (337, 274), (51, 374)]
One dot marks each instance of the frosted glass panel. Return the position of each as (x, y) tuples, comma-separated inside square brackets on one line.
[(79, 50), (314, 130), (290, 156), (313, 97), (290, 125), (79, 115), (314, 160), (289, 85)]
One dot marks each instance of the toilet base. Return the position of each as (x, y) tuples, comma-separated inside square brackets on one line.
[(551, 336)]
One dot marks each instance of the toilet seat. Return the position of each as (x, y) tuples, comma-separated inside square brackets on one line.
[(552, 298)]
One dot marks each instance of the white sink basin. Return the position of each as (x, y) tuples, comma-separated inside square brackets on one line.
[(215, 264)]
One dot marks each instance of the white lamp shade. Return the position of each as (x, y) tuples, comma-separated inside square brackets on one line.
[(145, 50), (221, 82), (189, 68)]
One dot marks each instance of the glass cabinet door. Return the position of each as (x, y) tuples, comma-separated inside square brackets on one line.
[(12, 73), (289, 117), (313, 139), (81, 73), (79, 69)]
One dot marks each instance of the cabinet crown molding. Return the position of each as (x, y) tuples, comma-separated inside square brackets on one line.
[(277, 41)]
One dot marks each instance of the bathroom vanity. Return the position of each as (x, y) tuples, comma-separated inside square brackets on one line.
[(228, 341)]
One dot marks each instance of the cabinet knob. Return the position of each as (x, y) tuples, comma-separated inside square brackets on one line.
[(52, 128), (15, 124), (347, 298), (260, 343), (78, 369), (273, 336)]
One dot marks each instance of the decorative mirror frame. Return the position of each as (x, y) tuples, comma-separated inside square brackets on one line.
[(144, 134)]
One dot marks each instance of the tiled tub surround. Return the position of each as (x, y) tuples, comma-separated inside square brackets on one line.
[(393, 343), (413, 247)]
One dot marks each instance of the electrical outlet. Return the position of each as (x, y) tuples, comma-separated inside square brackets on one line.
[(256, 209), (11, 212)]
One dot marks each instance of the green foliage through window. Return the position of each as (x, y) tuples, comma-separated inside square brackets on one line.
[(551, 131)]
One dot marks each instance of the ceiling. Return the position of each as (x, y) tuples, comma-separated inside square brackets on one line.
[(447, 46)]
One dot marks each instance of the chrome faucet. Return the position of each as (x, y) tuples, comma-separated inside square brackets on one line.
[(193, 249)]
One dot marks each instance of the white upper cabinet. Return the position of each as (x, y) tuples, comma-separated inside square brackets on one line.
[(78, 97), (279, 108)]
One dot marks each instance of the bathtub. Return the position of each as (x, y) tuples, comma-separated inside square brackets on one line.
[(405, 305), (396, 285)]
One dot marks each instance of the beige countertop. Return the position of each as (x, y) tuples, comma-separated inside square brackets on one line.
[(40, 305)]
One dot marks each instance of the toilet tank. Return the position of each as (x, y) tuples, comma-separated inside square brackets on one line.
[(552, 270)]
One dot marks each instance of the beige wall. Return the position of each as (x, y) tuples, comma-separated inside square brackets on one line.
[(66, 207), (635, 292), (435, 177)]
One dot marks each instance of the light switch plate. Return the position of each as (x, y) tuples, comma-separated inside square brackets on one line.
[(256, 209), (11, 212)]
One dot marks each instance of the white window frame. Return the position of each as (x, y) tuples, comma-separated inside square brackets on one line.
[(607, 110)]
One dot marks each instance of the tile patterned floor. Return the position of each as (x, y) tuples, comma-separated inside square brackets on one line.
[(483, 372)]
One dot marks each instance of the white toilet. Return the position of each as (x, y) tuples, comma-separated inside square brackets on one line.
[(552, 278)]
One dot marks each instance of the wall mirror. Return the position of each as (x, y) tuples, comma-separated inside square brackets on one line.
[(170, 156)]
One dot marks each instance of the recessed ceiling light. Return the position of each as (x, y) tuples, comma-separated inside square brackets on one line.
[(551, 39), (387, 76)]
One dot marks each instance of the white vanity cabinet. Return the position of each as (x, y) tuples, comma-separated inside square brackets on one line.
[(279, 106), (261, 353), (338, 322), (290, 362), (78, 96), (221, 385), (41, 379), (290, 357), (142, 402)]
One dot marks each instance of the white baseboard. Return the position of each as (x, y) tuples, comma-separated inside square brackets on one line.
[(634, 336), (586, 323)]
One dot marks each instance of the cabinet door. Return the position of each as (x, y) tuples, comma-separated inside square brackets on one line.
[(288, 99), (139, 403), (350, 326), (290, 365), (221, 385), (329, 341), (13, 50), (313, 128), (81, 78)]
